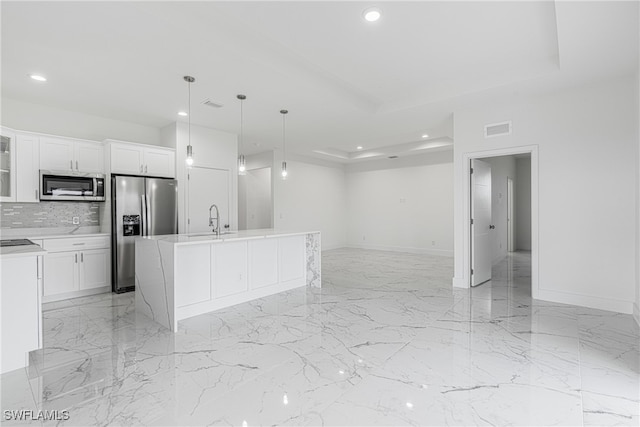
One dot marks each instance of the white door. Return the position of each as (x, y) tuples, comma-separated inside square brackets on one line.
[(480, 222), (207, 186), (230, 267), (510, 216)]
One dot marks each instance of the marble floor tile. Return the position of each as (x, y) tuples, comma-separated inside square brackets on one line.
[(385, 341)]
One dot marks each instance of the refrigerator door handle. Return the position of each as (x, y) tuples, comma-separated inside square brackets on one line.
[(143, 207)]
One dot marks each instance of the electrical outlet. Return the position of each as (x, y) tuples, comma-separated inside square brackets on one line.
[(76, 220)]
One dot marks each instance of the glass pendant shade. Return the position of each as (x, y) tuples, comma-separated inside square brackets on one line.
[(189, 159), (284, 172), (242, 165)]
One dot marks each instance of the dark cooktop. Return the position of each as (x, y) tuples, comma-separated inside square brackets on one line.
[(16, 242)]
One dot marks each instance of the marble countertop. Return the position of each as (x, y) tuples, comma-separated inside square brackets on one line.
[(198, 238), (51, 233), (19, 251)]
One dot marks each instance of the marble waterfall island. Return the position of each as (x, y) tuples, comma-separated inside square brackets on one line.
[(180, 275)]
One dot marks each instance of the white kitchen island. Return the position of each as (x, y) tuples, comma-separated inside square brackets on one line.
[(180, 275)]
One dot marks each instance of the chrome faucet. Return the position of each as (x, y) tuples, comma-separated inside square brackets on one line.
[(216, 228)]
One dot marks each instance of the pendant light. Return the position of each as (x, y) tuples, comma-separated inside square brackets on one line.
[(242, 166), (189, 160), (284, 172)]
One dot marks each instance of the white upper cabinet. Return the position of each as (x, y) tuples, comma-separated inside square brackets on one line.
[(139, 159), (27, 168), (7, 165), (62, 154)]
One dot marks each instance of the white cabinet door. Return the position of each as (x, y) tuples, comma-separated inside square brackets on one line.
[(126, 158), (56, 154), (230, 267), (159, 162), (94, 268), (291, 253), (263, 262), (27, 168), (193, 274), (89, 157), (61, 272), (8, 166)]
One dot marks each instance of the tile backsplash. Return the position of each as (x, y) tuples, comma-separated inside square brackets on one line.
[(48, 214)]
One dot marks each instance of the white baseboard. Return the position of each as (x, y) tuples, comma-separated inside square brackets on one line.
[(600, 303), (636, 313), (439, 252), (459, 282), (76, 294)]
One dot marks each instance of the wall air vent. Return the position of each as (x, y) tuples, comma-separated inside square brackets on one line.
[(497, 129), (210, 103), (393, 157)]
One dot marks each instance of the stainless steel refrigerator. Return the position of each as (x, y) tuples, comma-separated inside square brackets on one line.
[(139, 207)]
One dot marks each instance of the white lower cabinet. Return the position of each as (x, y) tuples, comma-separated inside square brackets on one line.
[(193, 272), (76, 267), (263, 263), (230, 269), (291, 253)]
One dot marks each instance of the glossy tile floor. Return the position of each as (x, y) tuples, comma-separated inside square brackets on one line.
[(386, 341)]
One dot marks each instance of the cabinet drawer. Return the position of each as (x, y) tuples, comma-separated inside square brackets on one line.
[(75, 243)]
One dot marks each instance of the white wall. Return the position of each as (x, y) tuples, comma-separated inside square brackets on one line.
[(211, 149), (312, 198), (523, 204), (255, 207), (587, 149), (55, 121), (405, 205), (501, 168)]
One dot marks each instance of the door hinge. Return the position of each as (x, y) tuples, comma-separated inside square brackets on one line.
[(472, 271), (189, 221), (188, 176), (471, 221), (471, 170)]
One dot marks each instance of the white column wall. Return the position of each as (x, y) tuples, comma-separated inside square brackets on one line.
[(587, 149)]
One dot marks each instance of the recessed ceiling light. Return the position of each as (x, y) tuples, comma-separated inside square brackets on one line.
[(38, 77), (372, 14), (183, 113), (359, 147), (424, 135)]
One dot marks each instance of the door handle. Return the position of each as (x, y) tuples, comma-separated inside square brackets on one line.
[(77, 165), (492, 227)]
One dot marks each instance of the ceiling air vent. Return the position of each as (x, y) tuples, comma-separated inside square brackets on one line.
[(210, 103), (497, 129)]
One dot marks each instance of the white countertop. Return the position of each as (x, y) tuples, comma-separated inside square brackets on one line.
[(51, 233), (20, 251), (198, 238)]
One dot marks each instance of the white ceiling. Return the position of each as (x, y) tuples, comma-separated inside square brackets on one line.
[(345, 82)]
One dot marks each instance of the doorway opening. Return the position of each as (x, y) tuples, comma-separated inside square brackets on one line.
[(501, 237)]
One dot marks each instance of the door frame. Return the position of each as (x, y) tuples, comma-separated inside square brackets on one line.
[(466, 250), (511, 241)]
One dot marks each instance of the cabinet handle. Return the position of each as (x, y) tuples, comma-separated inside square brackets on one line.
[(36, 194), (76, 258), (81, 256), (77, 165), (78, 244), (140, 168), (145, 168), (71, 164)]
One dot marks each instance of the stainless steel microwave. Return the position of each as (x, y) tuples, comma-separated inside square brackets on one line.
[(63, 186)]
